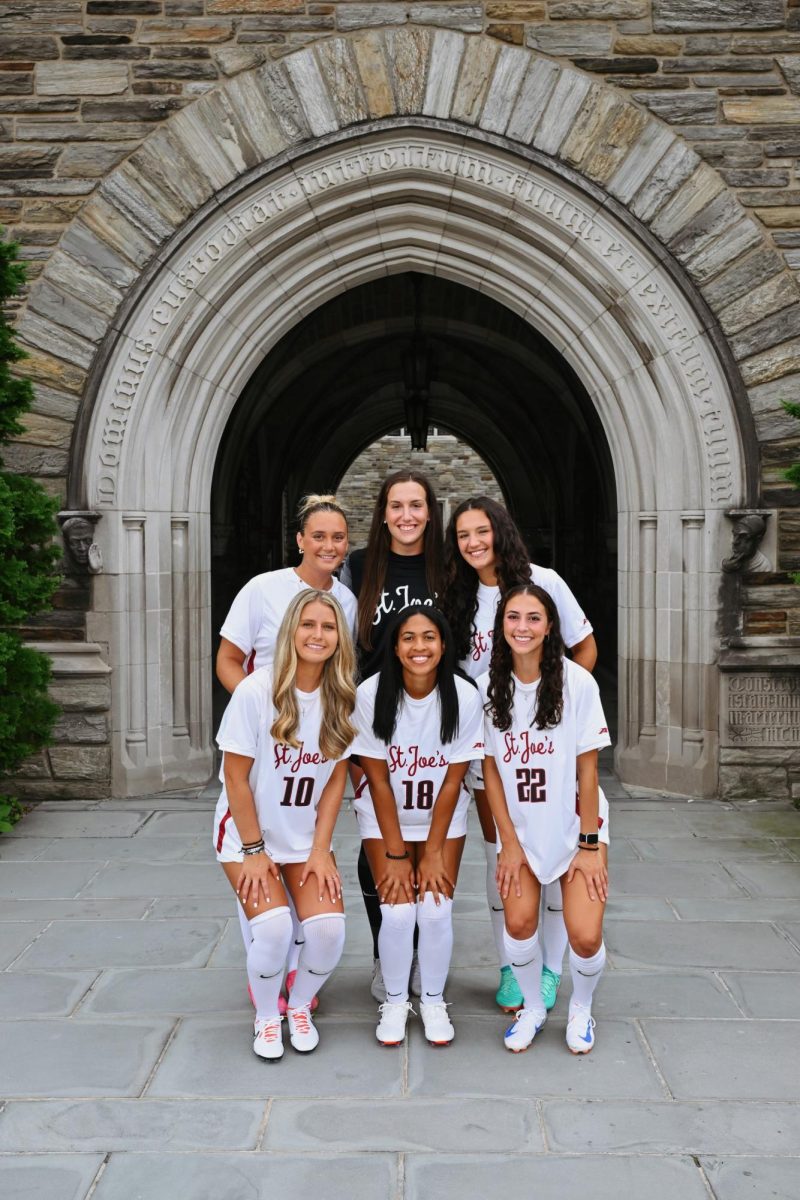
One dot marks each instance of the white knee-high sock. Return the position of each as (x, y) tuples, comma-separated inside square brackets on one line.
[(552, 929), (319, 955), (585, 974), (496, 913), (244, 925), (296, 947), (525, 960), (396, 948), (266, 955), (435, 945)]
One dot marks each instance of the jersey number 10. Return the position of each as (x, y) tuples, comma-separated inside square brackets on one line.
[(305, 790)]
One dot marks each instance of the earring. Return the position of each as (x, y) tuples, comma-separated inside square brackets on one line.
[(302, 552)]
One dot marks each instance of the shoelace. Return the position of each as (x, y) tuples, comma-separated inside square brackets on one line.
[(270, 1031), (301, 1020)]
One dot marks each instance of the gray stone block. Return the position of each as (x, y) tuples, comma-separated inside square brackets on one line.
[(666, 879), (110, 1125), (20, 880), (700, 944), (749, 909), (144, 850), (764, 994), (49, 1177), (23, 849), (73, 910), (217, 1057), (477, 1063), (14, 937), (656, 993), (603, 1178), (60, 823), (693, 15), (444, 1126), (768, 879), (178, 824), (752, 1178), (76, 944), (41, 993), (697, 849), (729, 1060), (199, 1176), (172, 992), (58, 1058), (667, 1127), (179, 879)]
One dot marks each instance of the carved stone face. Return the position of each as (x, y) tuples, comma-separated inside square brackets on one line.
[(746, 534), (79, 535)]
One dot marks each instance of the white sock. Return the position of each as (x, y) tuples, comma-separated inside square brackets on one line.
[(525, 960), (396, 948), (296, 947), (585, 974), (552, 928), (319, 955), (495, 903), (435, 945), (271, 933), (244, 925)]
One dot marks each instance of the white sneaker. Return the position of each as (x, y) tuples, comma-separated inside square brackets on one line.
[(377, 987), (415, 978), (438, 1027), (268, 1043), (302, 1031), (580, 1029), (392, 1026), (525, 1028)]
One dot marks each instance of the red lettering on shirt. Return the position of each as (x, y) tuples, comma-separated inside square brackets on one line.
[(294, 759), (524, 747), (410, 760), (481, 642)]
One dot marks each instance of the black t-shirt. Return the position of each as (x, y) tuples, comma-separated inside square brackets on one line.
[(405, 584)]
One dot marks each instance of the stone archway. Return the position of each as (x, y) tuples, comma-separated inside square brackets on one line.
[(443, 154)]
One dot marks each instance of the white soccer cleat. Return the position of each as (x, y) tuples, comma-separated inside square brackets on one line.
[(377, 988), (580, 1029), (392, 1026), (525, 1028), (302, 1031), (438, 1026), (268, 1042)]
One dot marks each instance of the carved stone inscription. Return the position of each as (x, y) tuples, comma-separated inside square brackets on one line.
[(764, 709), (427, 158)]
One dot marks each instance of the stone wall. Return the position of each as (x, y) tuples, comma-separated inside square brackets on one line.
[(455, 470)]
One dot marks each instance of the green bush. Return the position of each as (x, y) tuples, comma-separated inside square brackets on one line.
[(28, 554)]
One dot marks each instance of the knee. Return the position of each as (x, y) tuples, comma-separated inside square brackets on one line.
[(324, 940), (429, 910), (520, 925), (272, 935), (585, 942), (399, 918)]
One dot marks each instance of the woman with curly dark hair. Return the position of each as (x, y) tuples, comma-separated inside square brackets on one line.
[(485, 556), (544, 726)]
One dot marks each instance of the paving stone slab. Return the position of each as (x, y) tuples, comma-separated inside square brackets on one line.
[(41, 993), (779, 822), (477, 1063), (97, 822), (216, 1058), (21, 849), (674, 879), (50, 1177), (793, 930), (727, 1060), (187, 908), (671, 1127), (20, 880), (752, 1178), (449, 1178), (626, 993), (61, 1058), (257, 1177), (768, 879), (765, 994), (15, 936), (111, 1125), (702, 849), (637, 908), (445, 1126), (700, 944), (89, 849), (162, 990), (756, 908), (178, 824), (58, 909), (177, 879), (74, 944)]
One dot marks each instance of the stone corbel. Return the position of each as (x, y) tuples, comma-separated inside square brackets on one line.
[(77, 531), (749, 528)]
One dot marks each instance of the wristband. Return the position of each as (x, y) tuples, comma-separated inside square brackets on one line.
[(591, 849), (397, 857), (257, 848), (588, 839)]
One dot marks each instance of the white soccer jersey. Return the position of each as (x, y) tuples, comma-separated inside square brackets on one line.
[(574, 623), (255, 616), (286, 783), (416, 758), (537, 767)]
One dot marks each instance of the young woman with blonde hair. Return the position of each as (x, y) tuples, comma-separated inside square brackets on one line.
[(285, 737)]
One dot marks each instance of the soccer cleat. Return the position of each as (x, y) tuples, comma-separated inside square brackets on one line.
[(268, 1043), (580, 1029), (436, 1023), (283, 1003), (509, 994), (415, 978), (520, 1035), (550, 986), (377, 987), (392, 1026), (302, 1031)]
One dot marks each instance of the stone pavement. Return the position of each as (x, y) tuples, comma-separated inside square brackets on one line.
[(125, 1044)]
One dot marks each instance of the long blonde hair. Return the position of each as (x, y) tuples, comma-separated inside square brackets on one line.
[(337, 690)]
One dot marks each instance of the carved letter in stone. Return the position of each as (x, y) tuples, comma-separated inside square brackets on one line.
[(748, 530)]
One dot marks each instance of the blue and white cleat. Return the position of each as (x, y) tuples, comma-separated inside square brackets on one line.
[(520, 1035), (580, 1029)]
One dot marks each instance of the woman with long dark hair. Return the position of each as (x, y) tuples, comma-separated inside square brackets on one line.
[(484, 556), (544, 727), (419, 725), (400, 565)]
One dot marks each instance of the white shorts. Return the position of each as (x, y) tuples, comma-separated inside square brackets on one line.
[(228, 845), (369, 828)]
